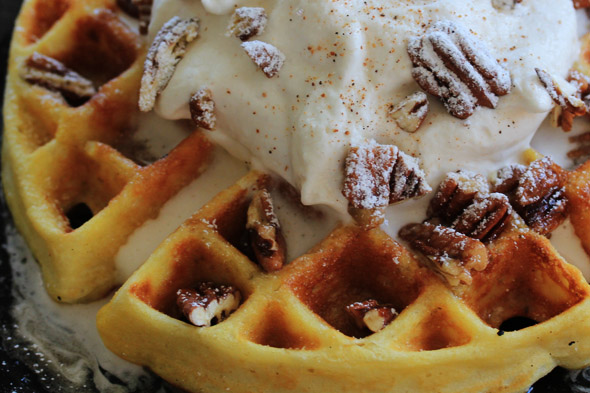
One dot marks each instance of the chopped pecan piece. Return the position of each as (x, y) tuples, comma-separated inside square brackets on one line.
[(266, 237), (508, 177), (570, 105), (505, 5), (485, 217), (536, 192), (540, 178), (367, 175), (548, 213), (451, 64), (453, 253), (202, 108), (370, 314), (208, 304), (581, 4), (144, 13), (53, 75), (407, 179), (268, 58), (564, 118), (377, 175), (455, 193), (246, 22), (167, 50), (411, 112)]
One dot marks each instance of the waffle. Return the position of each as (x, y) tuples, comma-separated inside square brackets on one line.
[(291, 331), (65, 165)]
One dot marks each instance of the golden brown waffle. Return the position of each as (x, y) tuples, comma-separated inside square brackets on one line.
[(291, 331), (57, 156)]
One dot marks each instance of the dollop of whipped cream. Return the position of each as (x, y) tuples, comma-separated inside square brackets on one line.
[(346, 64)]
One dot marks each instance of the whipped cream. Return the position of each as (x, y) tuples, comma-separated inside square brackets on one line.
[(346, 63)]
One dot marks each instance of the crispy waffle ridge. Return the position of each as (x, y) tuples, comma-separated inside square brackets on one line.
[(61, 157), (291, 331)]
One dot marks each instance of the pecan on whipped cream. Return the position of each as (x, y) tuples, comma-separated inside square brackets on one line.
[(453, 65)]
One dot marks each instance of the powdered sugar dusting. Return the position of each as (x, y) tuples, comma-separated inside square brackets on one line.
[(537, 180), (450, 64), (247, 22), (268, 58), (367, 174)]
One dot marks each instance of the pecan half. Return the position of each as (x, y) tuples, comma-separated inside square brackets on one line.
[(548, 213), (536, 193), (265, 233), (455, 193), (410, 113), (564, 118), (268, 58), (485, 217), (508, 178), (53, 75), (407, 179), (167, 50), (372, 315), (246, 22), (208, 304), (569, 106), (377, 175), (581, 4), (540, 178), (451, 64), (453, 253), (367, 175), (202, 108)]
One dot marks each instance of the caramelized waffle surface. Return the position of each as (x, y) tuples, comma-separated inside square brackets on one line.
[(62, 155), (292, 333), (64, 148)]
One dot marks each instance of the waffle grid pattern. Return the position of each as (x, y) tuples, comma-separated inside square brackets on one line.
[(56, 156), (291, 332)]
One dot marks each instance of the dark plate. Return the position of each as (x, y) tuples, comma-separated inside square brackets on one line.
[(18, 370)]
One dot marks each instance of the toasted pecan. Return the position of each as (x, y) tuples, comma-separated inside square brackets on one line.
[(485, 217), (453, 253), (455, 193), (569, 106), (409, 114), (536, 193), (451, 64), (208, 303), (167, 50), (372, 315), (53, 75), (247, 22), (407, 179), (202, 108), (267, 57), (266, 237)]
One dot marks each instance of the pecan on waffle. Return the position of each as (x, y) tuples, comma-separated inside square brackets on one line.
[(302, 322)]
